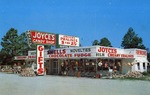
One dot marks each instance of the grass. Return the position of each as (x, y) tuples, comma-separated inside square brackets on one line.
[(145, 78)]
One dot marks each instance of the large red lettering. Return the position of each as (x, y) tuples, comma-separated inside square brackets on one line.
[(40, 48), (40, 59), (107, 50)]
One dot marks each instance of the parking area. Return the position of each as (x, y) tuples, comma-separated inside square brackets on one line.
[(13, 84)]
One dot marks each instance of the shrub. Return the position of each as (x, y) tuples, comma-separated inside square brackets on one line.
[(146, 73)]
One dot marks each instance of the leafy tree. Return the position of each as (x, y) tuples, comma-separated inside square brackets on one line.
[(105, 42), (4, 58), (23, 42), (9, 45), (24, 47), (95, 42), (131, 40), (14, 45)]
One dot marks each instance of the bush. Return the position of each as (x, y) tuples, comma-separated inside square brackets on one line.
[(146, 73)]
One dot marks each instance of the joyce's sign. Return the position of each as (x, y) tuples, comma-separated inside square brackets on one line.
[(42, 38), (112, 53), (40, 59), (68, 40), (107, 50)]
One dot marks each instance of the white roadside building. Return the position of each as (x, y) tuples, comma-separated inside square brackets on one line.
[(129, 59)]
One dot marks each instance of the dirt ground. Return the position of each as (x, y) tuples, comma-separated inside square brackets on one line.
[(13, 84)]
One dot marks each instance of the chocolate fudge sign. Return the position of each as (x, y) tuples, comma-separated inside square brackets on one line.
[(65, 40), (42, 38), (40, 59)]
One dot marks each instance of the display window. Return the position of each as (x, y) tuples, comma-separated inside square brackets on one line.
[(89, 67)]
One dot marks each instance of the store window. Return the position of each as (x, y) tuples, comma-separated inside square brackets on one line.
[(144, 67), (138, 64)]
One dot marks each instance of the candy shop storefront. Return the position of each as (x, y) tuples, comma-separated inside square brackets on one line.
[(90, 60)]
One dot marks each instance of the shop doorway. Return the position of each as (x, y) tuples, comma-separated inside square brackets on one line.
[(118, 64), (55, 67)]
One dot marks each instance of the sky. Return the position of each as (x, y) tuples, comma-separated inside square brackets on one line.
[(87, 19)]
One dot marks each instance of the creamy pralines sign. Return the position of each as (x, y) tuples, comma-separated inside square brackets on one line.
[(42, 38), (112, 52)]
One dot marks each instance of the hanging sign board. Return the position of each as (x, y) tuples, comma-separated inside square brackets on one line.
[(21, 57), (64, 40), (40, 59), (41, 37)]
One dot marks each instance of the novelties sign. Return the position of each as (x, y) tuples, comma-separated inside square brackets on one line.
[(42, 37), (70, 53), (40, 59), (65, 40)]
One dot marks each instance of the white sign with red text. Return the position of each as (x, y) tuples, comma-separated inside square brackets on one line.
[(21, 57), (65, 40), (42, 37), (113, 52), (72, 53), (141, 53), (86, 52), (40, 59)]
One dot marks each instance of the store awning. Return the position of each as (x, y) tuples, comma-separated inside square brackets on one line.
[(142, 60)]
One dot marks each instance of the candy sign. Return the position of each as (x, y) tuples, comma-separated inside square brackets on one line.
[(65, 40), (112, 52), (40, 59), (42, 38)]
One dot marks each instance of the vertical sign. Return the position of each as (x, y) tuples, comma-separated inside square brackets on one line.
[(40, 59)]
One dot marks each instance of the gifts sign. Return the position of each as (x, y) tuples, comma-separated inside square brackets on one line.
[(40, 59)]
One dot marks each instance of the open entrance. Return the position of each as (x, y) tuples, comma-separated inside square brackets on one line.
[(53, 67)]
